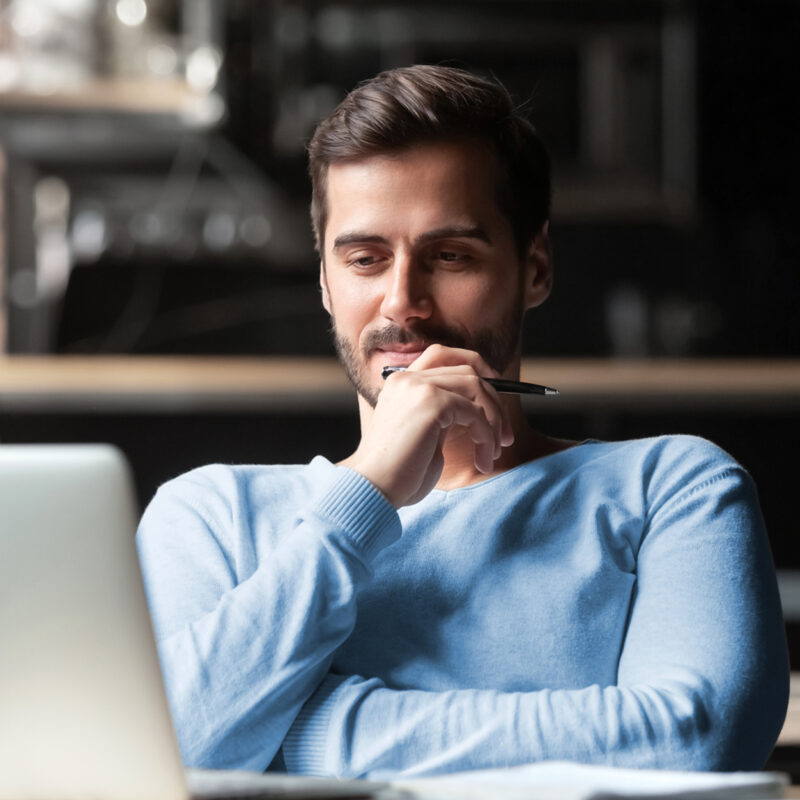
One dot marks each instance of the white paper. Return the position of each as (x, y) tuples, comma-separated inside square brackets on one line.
[(562, 780)]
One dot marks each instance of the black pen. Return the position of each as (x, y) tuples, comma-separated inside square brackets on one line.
[(500, 384)]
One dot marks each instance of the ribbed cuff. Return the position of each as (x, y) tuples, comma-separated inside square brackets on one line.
[(358, 509), (304, 747)]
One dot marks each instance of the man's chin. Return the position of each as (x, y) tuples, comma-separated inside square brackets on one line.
[(367, 385), (367, 378), (366, 392)]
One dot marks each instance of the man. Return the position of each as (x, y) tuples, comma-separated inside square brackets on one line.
[(462, 591)]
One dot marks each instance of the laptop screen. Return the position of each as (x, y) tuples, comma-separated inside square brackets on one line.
[(83, 706)]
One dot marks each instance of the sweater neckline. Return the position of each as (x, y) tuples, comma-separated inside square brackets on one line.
[(536, 463)]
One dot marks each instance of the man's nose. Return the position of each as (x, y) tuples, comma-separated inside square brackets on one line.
[(407, 295)]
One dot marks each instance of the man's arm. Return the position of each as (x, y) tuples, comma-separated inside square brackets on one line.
[(241, 656), (702, 680), (242, 651)]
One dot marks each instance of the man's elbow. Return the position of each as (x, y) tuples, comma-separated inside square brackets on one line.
[(690, 725), (725, 734)]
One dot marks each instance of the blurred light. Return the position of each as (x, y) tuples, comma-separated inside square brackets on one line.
[(627, 320), (131, 12), (202, 68), (51, 201), (336, 27), (45, 76), (208, 110), (26, 20), (255, 230), (162, 59), (22, 288), (9, 72), (53, 263), (89, 234), (219, 230), (73, 8)]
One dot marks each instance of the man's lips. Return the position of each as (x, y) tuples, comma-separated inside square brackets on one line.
[(396, 347), (399, 355)]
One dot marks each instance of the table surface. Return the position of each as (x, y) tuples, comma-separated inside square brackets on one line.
[(790, 734), (130, 95), (306, 383)]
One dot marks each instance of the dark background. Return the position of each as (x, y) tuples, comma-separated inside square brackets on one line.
[(725, 265), (707, 270)]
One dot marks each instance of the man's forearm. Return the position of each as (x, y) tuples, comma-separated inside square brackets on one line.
[(240, 660), (356, 727)]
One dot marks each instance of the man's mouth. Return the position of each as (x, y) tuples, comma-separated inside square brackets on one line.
[(399, 355), (394, 346)]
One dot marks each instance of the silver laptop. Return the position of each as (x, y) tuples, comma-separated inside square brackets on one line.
[(83, 712)]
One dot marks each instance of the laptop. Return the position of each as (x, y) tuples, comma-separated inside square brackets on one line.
[(83, 711)]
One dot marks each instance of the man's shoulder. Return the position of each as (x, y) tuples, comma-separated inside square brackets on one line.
[(659, 466), (218, 489), (223, 478), (668, 470), (655, 452)]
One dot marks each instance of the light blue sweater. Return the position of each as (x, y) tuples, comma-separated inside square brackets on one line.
[(613, 603)]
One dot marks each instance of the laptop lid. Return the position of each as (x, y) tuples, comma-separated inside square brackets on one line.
[(83, 711)]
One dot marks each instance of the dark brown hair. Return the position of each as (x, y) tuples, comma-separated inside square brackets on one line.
[(403, 107)]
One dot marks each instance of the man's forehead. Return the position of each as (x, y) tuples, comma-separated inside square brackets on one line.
[(437, 186)]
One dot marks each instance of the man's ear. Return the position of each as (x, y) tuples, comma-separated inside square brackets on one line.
[(323, 285), (538, 269)]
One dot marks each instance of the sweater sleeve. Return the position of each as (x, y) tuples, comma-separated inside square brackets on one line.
[(240, 657), (702, 680)]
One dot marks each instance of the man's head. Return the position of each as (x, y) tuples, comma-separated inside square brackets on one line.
[(430, 207), (409, 106)]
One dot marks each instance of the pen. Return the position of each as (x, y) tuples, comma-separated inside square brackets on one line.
[(500, 384)]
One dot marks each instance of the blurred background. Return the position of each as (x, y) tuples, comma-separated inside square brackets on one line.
[(152, 159), (156, 192), (154, 204)]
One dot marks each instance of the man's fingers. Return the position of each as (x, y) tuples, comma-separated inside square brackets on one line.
[(463, 382), (437, 355), (417, 412), (469, 415), (466, 362)]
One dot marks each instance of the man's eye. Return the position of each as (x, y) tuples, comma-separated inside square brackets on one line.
[(362, 261), (450, 256)]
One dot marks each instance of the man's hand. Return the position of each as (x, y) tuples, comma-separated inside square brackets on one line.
[(401, 449)]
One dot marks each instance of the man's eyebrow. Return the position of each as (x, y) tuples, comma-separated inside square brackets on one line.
[(449, 232), (356, 237), (454, 232)]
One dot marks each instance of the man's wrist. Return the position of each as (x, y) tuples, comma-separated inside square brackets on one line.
[(358, 508)]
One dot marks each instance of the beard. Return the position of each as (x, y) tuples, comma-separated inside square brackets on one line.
[(497, 346)]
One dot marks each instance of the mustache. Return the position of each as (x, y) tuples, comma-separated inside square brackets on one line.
[(423, 335)]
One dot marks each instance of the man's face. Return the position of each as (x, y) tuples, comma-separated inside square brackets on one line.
[(416, 252)]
